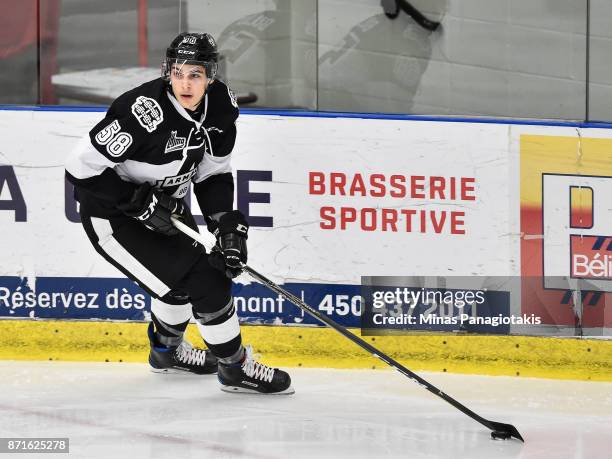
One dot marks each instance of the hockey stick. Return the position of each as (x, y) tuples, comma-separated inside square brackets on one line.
[(392, 7), (499, 430)]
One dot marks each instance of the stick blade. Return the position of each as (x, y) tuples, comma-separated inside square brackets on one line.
[(508, 429), (429, 25)]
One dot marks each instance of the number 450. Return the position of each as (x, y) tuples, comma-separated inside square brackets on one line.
[(341, 304)]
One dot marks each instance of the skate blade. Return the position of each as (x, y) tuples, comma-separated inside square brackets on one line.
[(176, 371), (242, 390)]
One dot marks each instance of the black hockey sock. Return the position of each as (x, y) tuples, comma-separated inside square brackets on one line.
[(228, 353), (168, 335)]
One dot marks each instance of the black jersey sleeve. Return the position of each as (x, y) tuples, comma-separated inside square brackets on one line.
[(93, 173), (90, 167), (214, 183), (215, 194), (128, 121), (107, 186), (220, 123)]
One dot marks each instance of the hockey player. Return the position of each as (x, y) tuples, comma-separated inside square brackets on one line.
[(130, 176)]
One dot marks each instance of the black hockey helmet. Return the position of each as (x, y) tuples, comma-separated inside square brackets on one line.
[(192, 48)]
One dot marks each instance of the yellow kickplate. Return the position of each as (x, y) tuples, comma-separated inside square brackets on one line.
[(582, 359)]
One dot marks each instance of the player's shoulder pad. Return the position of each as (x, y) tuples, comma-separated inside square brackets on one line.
[(130, 117), (222, 100), (143, 104)]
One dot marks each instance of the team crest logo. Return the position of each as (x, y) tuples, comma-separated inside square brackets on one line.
[(148, 113), (175, 143)]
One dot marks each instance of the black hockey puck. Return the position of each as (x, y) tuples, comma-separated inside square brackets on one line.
[(498, 435)]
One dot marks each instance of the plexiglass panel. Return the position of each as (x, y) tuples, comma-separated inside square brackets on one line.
[(600, 62), (18, 53), (106, 48), (502, 58), (267, 48), (488, 57)]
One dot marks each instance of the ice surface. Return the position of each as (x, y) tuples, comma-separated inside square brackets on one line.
[(116, 410)]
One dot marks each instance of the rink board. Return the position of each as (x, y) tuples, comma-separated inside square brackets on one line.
[(331, 200), (515, 356)]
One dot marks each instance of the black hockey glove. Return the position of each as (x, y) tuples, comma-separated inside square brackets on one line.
[(230, 229), (153, 209)]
